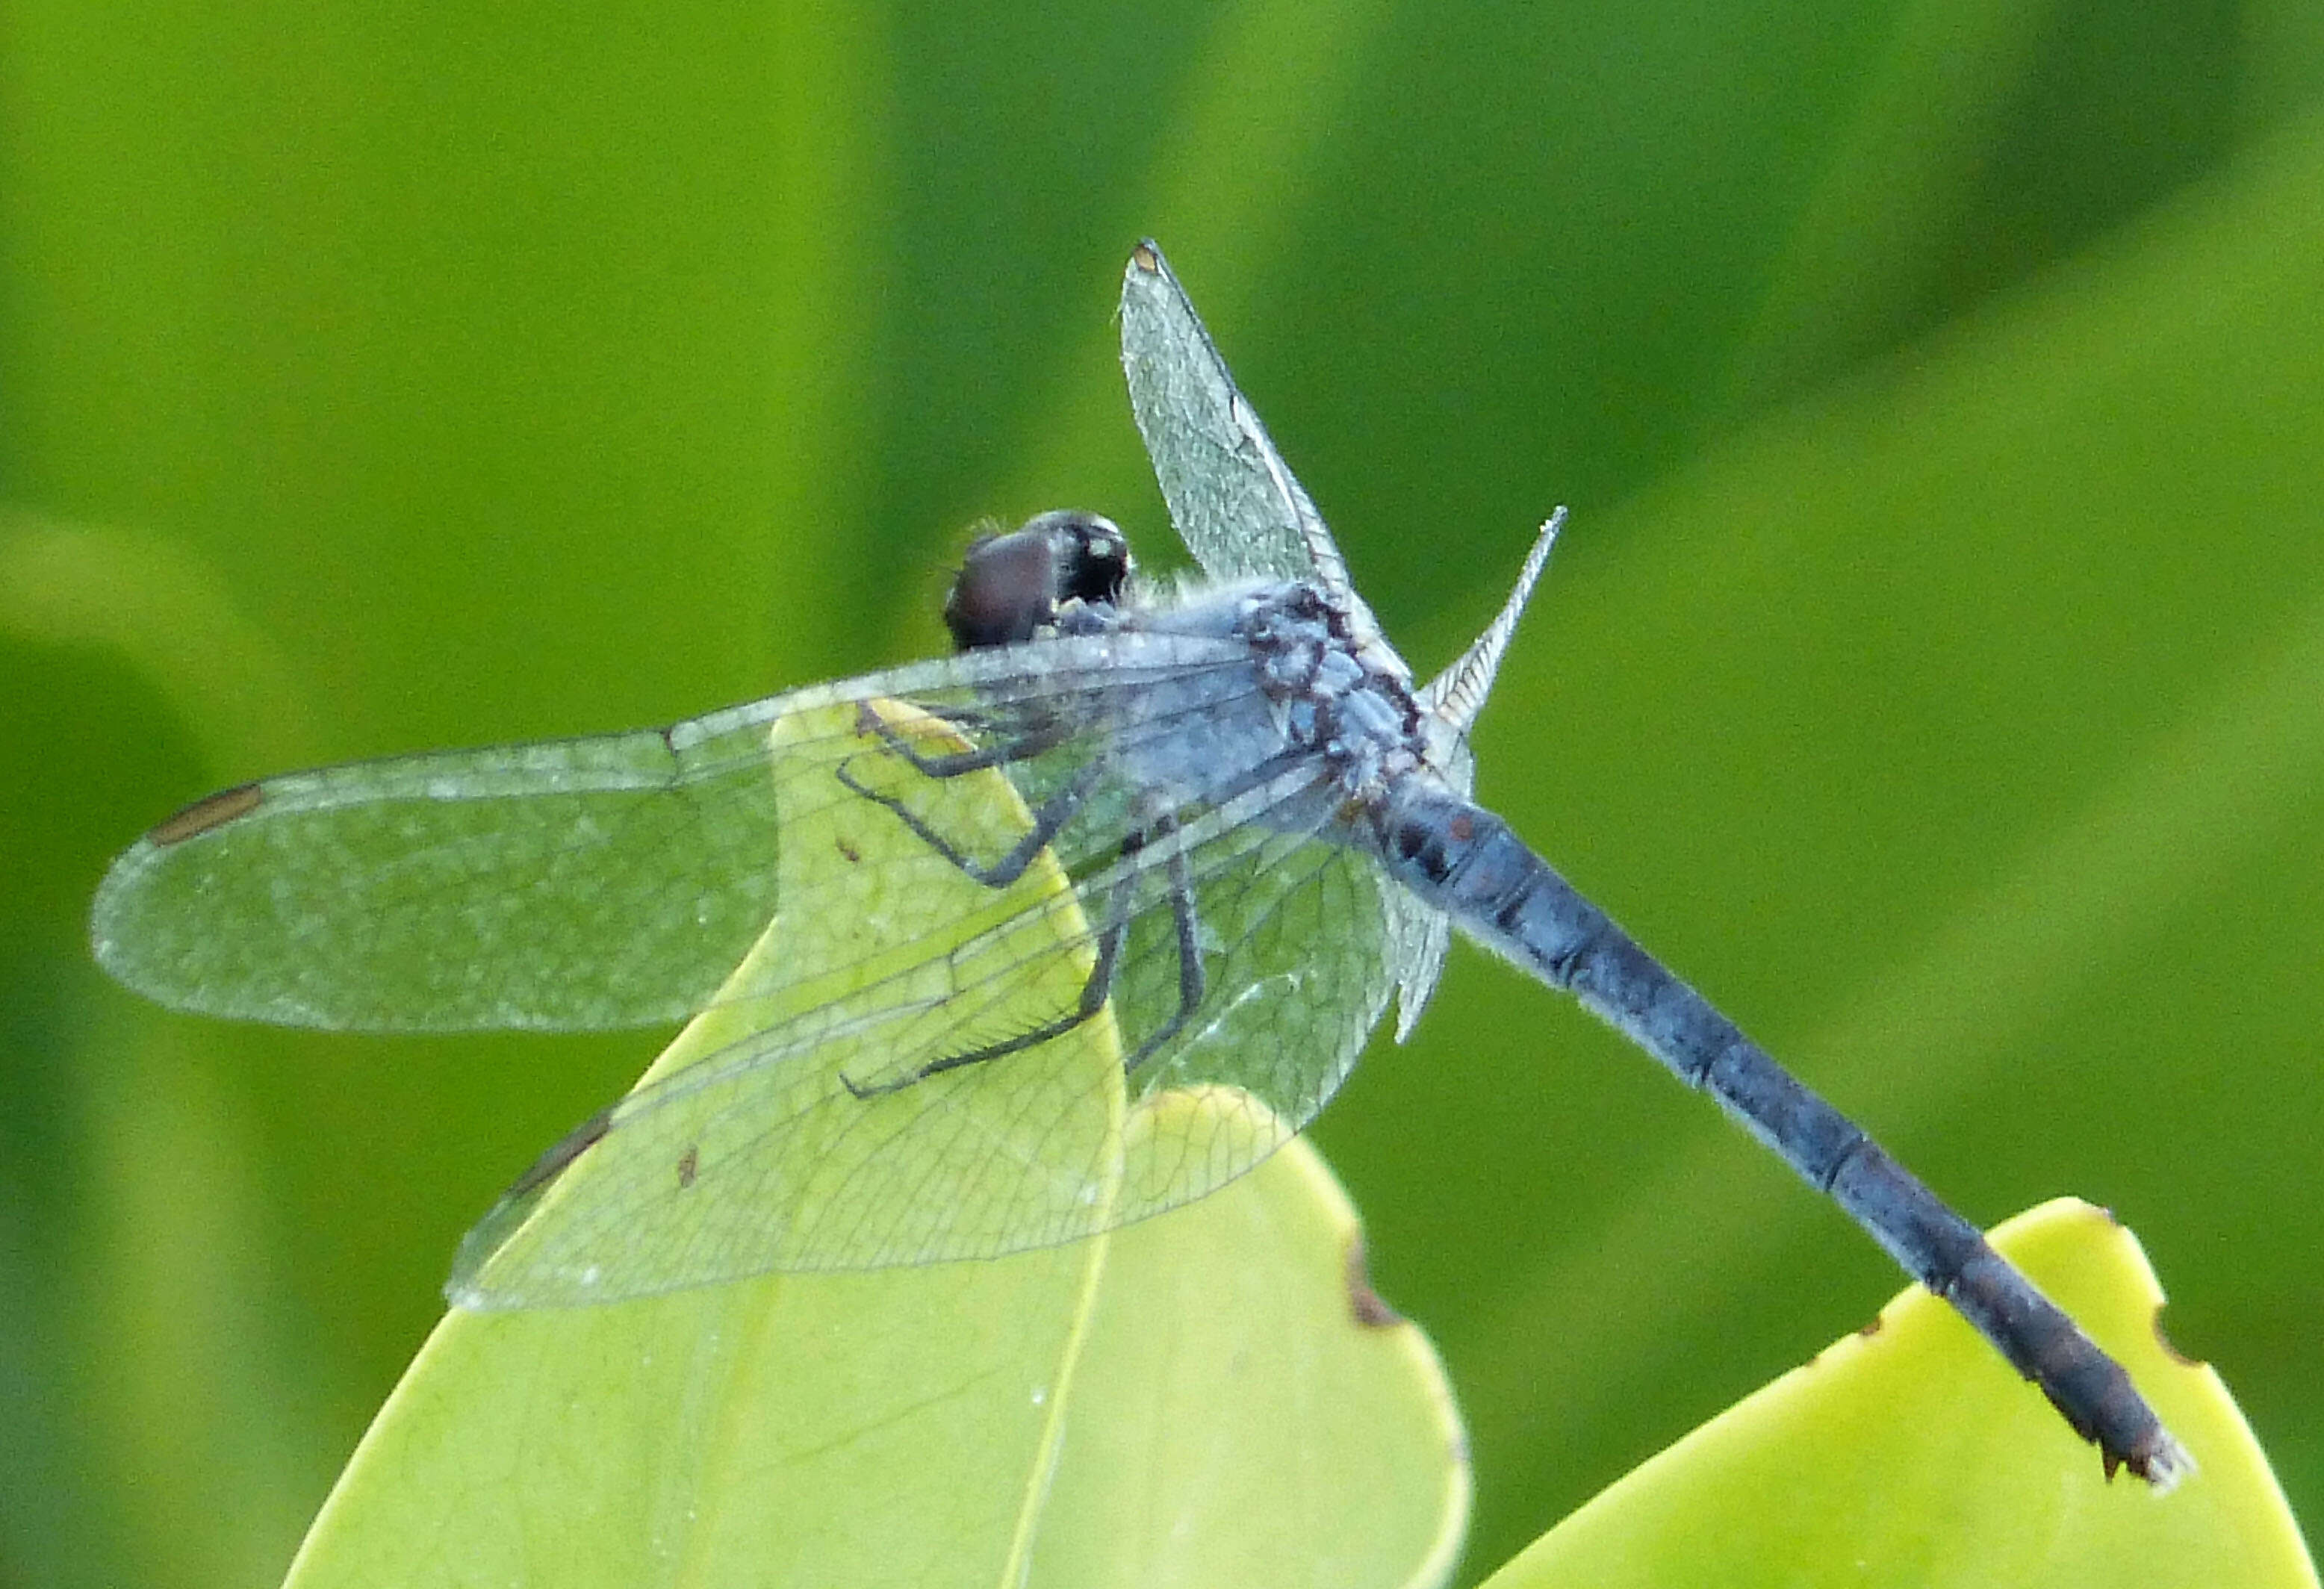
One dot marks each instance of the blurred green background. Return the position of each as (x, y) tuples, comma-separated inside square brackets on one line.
[(1934, 670)]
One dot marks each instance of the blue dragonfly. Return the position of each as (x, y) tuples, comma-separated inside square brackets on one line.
[(1218, 826)]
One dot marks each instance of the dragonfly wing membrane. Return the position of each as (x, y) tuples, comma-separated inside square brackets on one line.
[(1227, 486), (780, 1129), (567, 885), (554, 886), (830, 1110)]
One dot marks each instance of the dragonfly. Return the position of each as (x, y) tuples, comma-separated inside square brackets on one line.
[(977, 928)]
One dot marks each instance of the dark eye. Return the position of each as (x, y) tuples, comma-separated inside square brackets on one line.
[(1010, 587)]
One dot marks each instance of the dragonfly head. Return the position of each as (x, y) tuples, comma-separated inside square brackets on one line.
[(1012, 586)]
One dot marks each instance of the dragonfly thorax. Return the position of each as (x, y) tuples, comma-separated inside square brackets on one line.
[(1337, 701), (1320, 704)]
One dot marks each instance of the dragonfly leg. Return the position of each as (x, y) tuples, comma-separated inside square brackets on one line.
[(1054, 813), (1097, 988), (1191, 982)]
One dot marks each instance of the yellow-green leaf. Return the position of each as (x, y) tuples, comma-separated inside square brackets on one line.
[(1211, 1393), (1247, 1410), (1910, 1454)]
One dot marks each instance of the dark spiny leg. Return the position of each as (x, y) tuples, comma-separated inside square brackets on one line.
[(1054, 813), (1095, 990), (1191, 980), (1099, 985)]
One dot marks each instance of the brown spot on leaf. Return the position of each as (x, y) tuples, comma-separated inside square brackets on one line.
[(1872, 1327), (210, 811), (1369, 1307), (687, 1163), (848, 850)]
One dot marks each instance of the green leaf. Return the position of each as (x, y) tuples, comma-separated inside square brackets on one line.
[(1247, 1410), (1211, 1393), (1213, 1396), (1909, 1454)]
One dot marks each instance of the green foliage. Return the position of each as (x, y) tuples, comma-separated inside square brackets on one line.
[(1909, 1454), (1928, 670), (1196, 1399), (1190, 1400)]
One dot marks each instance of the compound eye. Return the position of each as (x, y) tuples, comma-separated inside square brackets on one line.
[(1011, 587), (1005, 591), (1099, 565)]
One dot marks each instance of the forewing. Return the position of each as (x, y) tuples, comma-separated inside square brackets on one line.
[(1235, 502), (583, 884), (1231, 496)]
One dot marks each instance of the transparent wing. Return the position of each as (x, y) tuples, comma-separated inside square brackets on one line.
[(1228, 491), (891, 1064), (586, 884), (1242, 512), (1234, 501), (833, 1111)]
